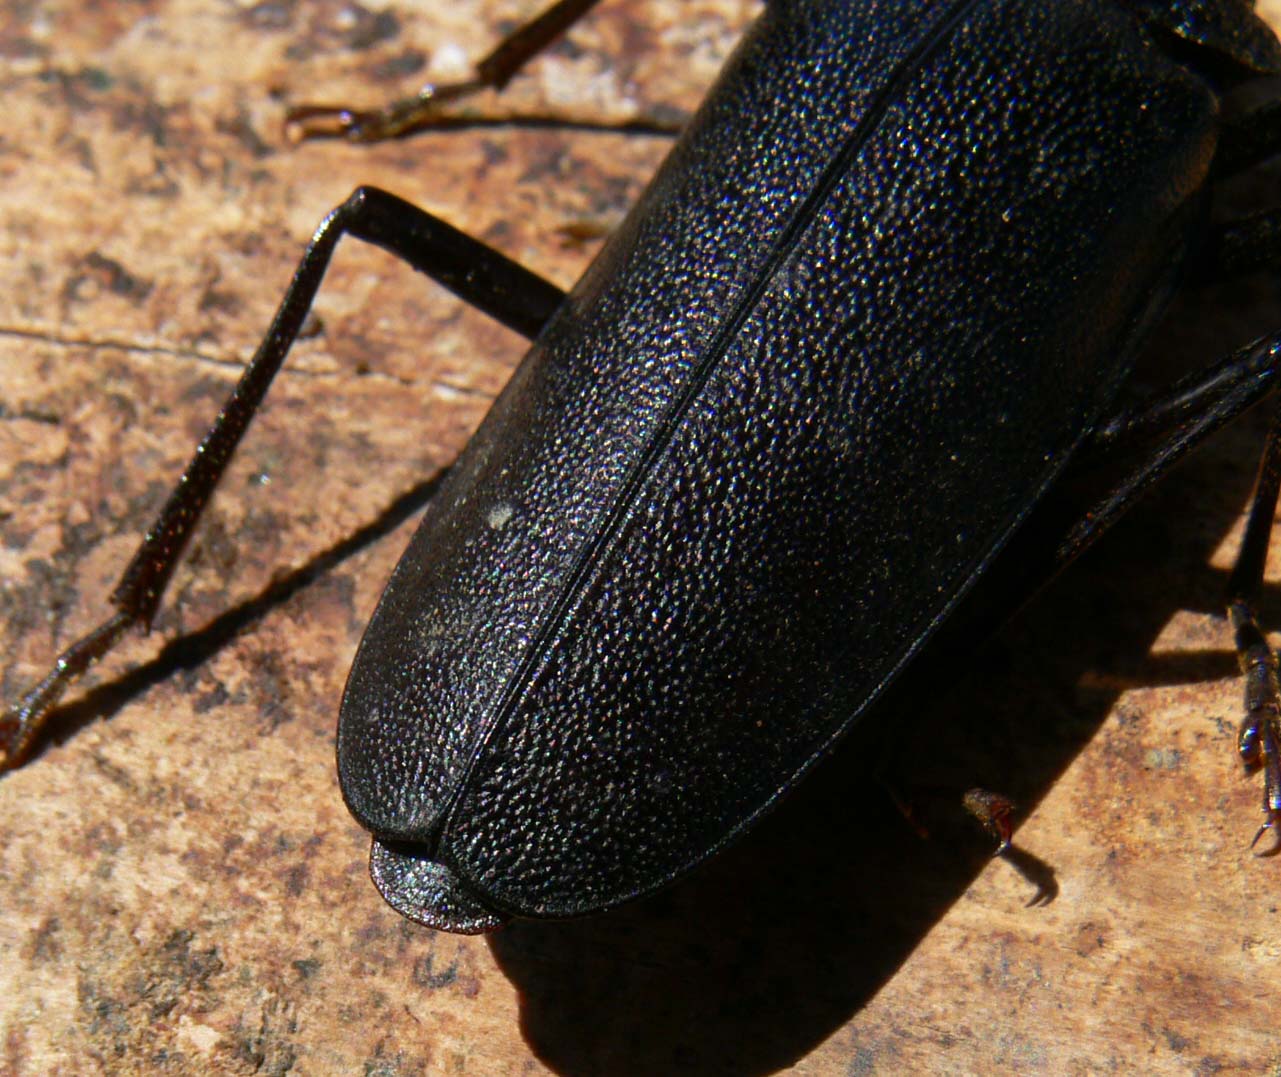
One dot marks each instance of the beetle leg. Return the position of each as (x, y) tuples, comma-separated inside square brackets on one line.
[(494, 71), (1176, 423), (995, 812), (1161, 432), (1259, 741), (478, 274), (1195, 406), (1060, 529), (1244, 246)]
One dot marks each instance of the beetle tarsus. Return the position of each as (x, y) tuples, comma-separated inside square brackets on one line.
[(1259, 739), (20, 723), (374, 125), (995, 812)]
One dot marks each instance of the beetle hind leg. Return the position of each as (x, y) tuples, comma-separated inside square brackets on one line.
[(1259, 740), (1162, 431), (1247, 379)]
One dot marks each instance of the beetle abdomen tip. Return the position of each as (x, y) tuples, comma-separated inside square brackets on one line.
[(428, 892)]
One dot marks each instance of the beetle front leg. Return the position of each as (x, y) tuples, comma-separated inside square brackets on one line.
[(476, 273)]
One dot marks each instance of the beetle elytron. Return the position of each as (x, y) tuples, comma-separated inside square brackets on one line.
[(904, 245)]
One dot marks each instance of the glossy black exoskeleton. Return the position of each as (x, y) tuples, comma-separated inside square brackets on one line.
[(880, 301)]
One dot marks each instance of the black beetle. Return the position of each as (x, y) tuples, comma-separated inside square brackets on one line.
[(902, 245)]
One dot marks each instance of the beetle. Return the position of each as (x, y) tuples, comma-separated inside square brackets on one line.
[(675, 565)]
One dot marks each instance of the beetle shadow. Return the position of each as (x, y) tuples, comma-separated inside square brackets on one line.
[(759, 956), (755, 959)]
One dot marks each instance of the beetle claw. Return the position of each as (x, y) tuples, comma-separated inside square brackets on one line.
[(1269, 826)]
